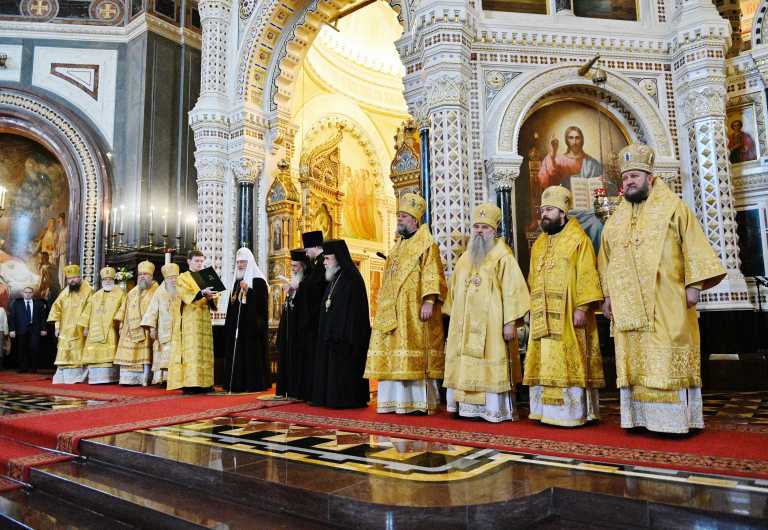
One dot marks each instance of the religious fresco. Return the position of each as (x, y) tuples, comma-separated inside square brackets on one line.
[(611, 9), (33, 229), (573, 144), (742, 134), (517, 6)]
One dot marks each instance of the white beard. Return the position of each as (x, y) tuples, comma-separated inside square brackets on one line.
[(170, 289), (330, 272), (239, 274), (479, 248), (296, 280), (144, 284), (108, 288)]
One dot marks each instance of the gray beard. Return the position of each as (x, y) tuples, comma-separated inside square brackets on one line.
[(298, 276), (239, 275), (144, 285), (107, 288), (479, 247), (330, 272), (170, 289)]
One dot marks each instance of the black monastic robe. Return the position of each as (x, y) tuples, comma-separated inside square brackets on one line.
[(344, 332), (297, 335), (251, 369)]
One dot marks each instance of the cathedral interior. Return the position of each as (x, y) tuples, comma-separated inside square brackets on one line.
[(139, 130)]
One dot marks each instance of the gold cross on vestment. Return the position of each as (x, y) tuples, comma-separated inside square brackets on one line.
[(39, 8)]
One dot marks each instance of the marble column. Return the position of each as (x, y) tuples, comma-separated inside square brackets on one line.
[(210, 124), (246, 173)]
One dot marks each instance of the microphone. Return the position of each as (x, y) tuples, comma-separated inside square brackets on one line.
[(382, 255)]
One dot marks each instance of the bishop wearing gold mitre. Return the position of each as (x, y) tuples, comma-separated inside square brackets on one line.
[(191, 366), (134, 351), (163, 318), (406, 350), (563, 366), (654, 260), (99, 323), (486, 301), (65, 314)]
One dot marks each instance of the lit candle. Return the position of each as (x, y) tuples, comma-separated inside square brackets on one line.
[(3, 191), (151, 218), (165, 222), (122, 218), (178, 224), (114, 219), (192, 220), (106, 222)]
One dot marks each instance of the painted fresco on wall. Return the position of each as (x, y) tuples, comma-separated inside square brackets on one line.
[(568, 143), (517, 6), (33, 230), (610, 9), (742, 134)]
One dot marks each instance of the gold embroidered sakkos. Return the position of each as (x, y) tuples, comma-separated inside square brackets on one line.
[(403, 347)]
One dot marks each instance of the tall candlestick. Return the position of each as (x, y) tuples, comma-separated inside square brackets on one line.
[(106, 223), (122, 218), (165, 222), (114, 219), (178, 224), (151, 218)]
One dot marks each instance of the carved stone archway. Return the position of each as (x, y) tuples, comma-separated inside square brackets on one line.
[(76, 145)]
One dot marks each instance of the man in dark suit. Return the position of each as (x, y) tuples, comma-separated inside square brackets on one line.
[(26, 324)]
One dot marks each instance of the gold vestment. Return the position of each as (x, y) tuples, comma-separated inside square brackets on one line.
[(402, 347), (563, 277), (65, 312), (164, 315), (480, 301), (99, 317), (135, 346), (192, 364), (650, 253)]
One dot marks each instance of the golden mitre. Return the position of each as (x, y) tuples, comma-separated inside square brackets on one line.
[(72, 270), (170, 269), (107, 273), (636, 156), (487, 214), (146, 267), (557, 196), (412, 204)]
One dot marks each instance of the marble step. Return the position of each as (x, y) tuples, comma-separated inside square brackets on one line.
[(20, 509), (142, 501)]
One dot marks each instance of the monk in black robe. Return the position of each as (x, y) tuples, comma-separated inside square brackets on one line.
[(343, 333), (248, 314), (292, 334)]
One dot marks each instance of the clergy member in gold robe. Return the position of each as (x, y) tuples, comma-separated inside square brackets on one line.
[(99, 323), (134, 351), (563, 366), (191, 366), (406, 351), (163, 318), (486, 301), (654, 260), (65, 314)]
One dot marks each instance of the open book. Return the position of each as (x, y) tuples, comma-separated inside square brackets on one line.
[(583, 191)]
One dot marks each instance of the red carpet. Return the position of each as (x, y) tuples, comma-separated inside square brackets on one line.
[(16, 459), (85, 391), (734, 453), (63, 429), (15, 377)]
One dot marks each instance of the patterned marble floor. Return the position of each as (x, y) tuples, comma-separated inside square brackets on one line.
[(399, 458), (732, 407), (20, 403)]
